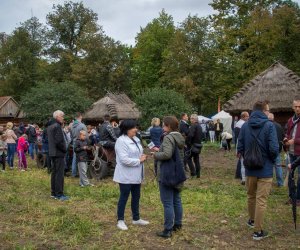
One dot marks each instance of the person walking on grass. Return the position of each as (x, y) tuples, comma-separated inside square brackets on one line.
[(280, 137), (57, 153), (258, 140), (3, 149), (211, 130), (81, 146), (11, 144), (170, 196), (21, 149), (76, 127), (218, 130), (292, 139), (32, 139), (241, 172), (227, 138), (129, 172), (194, 145)]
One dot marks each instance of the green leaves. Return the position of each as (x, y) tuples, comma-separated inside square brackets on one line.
[(41, 101), (159, 102)]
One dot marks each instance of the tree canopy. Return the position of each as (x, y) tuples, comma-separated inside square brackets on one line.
[(201, 58)]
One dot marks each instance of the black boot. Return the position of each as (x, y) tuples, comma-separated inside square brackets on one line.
[(165, 233), (177, 228)]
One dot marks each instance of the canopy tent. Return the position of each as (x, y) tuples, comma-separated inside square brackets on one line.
[(201, 118), (226, 119)]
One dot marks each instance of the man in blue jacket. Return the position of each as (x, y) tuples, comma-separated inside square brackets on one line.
[(259, 182)]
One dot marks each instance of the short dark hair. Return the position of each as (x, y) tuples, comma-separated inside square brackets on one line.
[(127, 125), (183, 114), (114, 119), (106, 117), (171, 122), (260, 106)]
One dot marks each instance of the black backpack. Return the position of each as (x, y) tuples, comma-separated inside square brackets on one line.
[(253, 159)]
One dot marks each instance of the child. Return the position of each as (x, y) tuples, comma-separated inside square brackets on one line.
[(81, 157), (3, 149), (22, 148)]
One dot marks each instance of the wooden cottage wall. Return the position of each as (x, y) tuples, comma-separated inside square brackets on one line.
[(9, 109)]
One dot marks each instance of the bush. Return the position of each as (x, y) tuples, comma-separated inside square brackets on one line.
[(41, 101), (160, 102)]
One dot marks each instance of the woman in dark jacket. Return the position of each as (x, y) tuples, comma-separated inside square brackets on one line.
[(156, 132), (170, 197)]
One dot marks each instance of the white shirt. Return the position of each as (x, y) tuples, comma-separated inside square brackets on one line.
[(128, 170), (239, 124)]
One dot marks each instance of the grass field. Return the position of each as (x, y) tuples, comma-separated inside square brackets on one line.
[(215, 213)]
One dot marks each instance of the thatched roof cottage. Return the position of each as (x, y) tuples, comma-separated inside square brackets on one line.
[(277, 84), (118, 105)]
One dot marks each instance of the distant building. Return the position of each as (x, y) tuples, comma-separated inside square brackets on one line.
[(10, 110), (277, 84)]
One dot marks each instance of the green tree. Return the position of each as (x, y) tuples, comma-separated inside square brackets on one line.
[(160, 102), (49, 96), (147, 56), (72, 28), (19, 63), (106, 67)]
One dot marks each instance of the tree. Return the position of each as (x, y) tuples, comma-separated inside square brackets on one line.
[(19, 63), (147, 56), (106, 67), (49, 96), (159, 102), (189, 63)]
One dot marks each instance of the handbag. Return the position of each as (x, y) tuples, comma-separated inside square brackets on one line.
[(196, 148), (172, 171)]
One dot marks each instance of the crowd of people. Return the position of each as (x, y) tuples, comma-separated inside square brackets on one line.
[(175, 144)]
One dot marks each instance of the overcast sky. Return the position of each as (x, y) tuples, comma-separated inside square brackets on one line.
[(120, 19)]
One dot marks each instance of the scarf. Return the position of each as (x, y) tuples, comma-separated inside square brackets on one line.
[(295, 119)]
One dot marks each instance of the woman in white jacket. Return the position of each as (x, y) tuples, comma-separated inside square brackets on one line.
[(129, 172)]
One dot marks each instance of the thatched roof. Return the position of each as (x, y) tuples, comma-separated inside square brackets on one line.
[(115, 105), (277, 84)]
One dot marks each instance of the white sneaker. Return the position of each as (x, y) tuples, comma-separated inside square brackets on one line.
[(121, 225), (140, 222)]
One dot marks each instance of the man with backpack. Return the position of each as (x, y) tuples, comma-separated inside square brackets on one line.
[(257, 144)]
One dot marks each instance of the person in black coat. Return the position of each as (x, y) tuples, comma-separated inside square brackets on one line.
[(183, 125), (218, 130), (194, 145), (57, 151)]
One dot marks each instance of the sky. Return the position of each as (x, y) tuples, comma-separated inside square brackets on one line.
[(120, 19)]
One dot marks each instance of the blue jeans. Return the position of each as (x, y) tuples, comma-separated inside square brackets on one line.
[(125, 190), (170, 198), (11, 150), (74, 164), (278, 171), (31, 149), (293, 158)]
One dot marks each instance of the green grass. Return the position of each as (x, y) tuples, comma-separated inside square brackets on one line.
[(215, 213)]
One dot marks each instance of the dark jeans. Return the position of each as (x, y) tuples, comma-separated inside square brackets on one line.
[(57, 176), (218, 136), (11, 150), (194, 164), (293, 158), (125, 190), (228, 144), (171, 200)]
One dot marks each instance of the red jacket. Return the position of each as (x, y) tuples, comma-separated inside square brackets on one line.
[(297, 136)]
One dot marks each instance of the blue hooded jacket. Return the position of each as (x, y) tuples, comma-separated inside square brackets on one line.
[(265, 132)]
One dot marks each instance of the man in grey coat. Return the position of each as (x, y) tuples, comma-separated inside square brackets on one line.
[(76, 127)]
